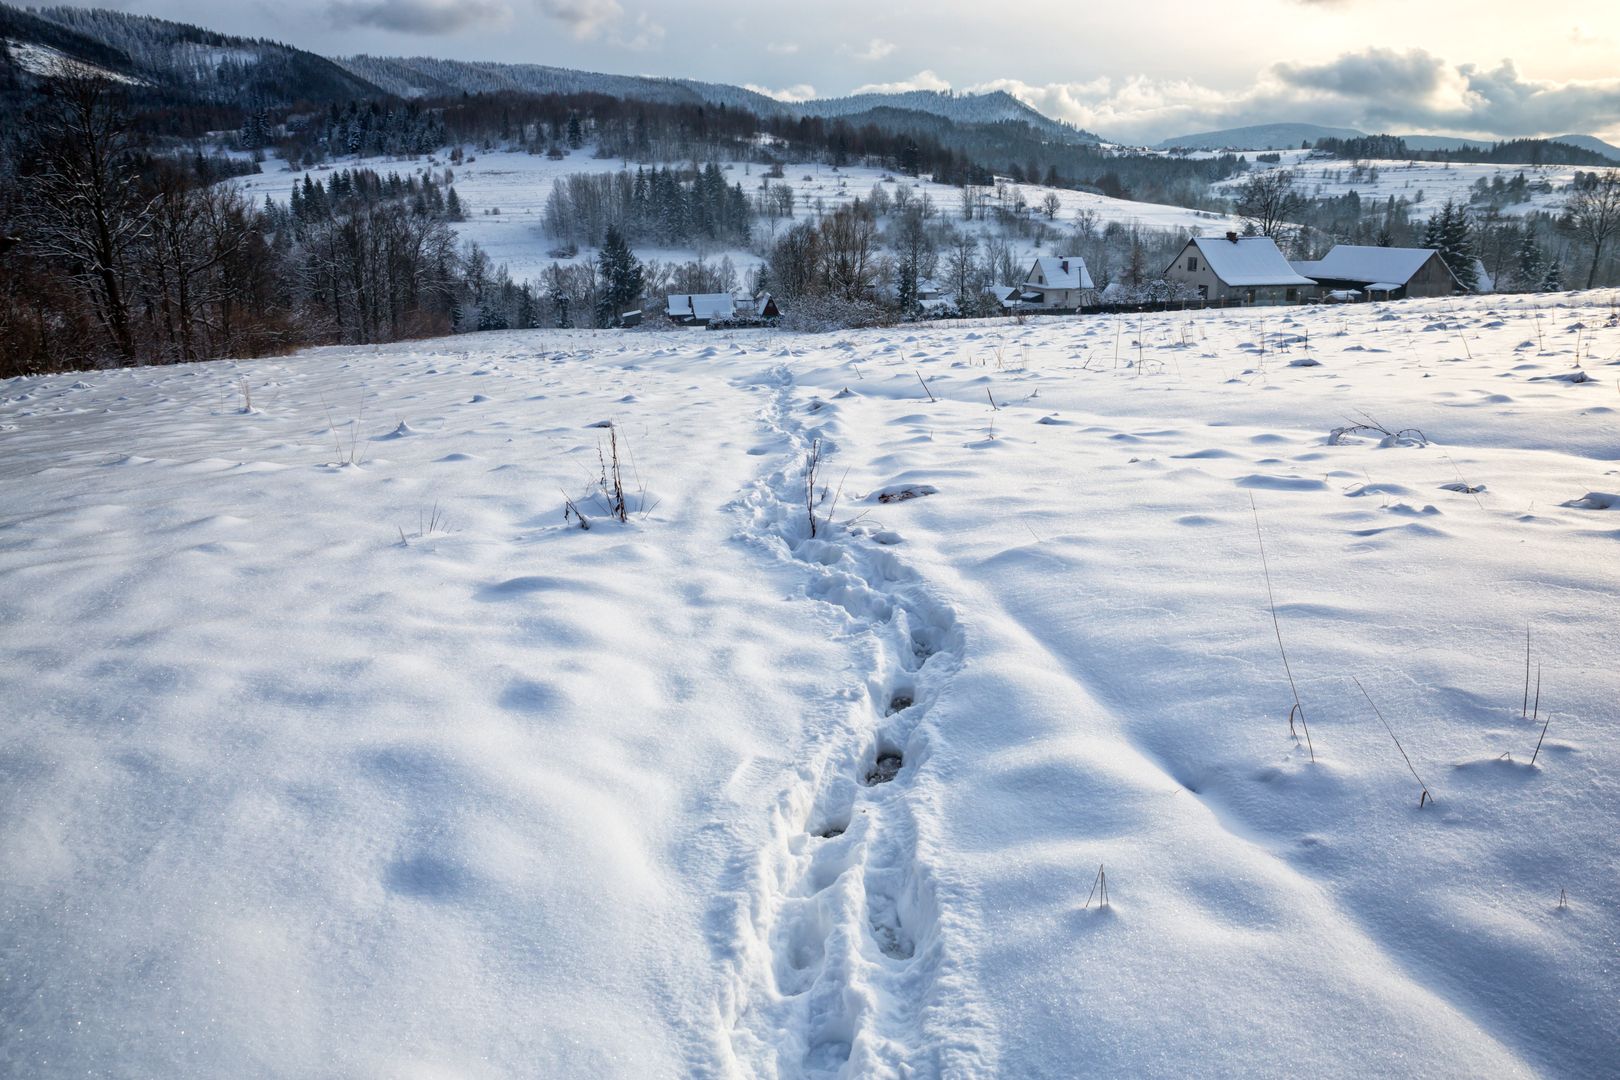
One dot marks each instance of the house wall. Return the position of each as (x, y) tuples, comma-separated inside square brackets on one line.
[(1203, 280), (1432, 279), (1061, 298)]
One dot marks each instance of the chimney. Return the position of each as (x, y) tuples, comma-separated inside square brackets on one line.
[(1065, 266), (1232, 236)]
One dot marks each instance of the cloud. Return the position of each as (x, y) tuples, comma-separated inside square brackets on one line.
[(923, 80), (1375, 73), (783, 48), (418, 16), (582, 17), (876, 49), (642, 35), (1379, 90), (798, 92)]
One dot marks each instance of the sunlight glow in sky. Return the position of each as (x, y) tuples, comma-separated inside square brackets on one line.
[(1141, 71)]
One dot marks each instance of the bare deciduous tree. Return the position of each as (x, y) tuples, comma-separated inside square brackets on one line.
[(82, 202), (1267, 199), (1594, 215)]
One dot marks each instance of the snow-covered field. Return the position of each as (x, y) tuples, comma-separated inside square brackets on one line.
[(517, 184), (1429, 184), (300, 781)]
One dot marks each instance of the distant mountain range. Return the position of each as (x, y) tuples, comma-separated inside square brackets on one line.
[(1292, 136), (420, 76), (1258, 137), (187, 64), (190, 63)]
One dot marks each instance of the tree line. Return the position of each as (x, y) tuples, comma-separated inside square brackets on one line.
[(110, 254)]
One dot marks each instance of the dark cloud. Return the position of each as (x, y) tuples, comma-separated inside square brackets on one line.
[(583, 17), (1375, 73), (1382, 88), (418, 16)]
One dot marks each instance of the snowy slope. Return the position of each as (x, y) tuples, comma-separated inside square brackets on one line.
[(300, 783), (518, 184), (1427, 183)]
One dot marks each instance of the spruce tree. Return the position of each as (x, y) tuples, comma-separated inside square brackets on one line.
[(1531, 265), (622, 278), (1451, 232)]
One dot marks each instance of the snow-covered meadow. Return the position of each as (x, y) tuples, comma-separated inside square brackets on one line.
[(517, 184), (334, 749), (1427, 184)]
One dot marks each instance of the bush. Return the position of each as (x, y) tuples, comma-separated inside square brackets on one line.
[(814, 314)]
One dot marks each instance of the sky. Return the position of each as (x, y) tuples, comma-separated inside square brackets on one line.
[(1139, 72)]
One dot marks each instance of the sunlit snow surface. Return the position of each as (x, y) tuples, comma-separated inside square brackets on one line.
[(332, 749)]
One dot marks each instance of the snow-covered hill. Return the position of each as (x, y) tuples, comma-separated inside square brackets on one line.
[(1428, 184), (517, 184), (335, 748), (181, 61)]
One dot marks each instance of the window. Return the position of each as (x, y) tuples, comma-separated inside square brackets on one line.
[(1192, 262), (1293, 294)]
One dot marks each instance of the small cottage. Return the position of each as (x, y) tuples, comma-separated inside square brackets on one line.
[(1060, 282)]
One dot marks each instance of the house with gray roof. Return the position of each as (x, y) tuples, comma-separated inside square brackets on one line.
[(1383, 273), (1248, 269)]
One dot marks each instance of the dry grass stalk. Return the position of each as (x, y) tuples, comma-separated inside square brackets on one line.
[(1276, 625)]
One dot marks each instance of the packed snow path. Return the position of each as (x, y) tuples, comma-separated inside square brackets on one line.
[(334, 749)]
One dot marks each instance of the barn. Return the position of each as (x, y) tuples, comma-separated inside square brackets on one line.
[(1385, 273), (700, 309)]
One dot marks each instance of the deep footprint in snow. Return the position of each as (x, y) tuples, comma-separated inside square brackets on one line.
[(885, 769), (899, 703)]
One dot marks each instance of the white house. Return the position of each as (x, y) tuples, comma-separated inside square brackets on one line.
[(1248, 269), (1057, 281)]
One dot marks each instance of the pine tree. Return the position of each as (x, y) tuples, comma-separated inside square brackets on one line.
[(1553, 280), (1530, 265), (622, 278), (1451, 232)]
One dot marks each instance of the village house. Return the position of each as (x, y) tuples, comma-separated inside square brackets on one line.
[(1248, 269), (700, 309), (1381, 273), (1060, 282)]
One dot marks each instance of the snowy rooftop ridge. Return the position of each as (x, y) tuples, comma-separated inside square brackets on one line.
[(1248, 260)]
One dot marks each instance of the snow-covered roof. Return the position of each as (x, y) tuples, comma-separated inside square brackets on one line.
[(1248, 260), (701, 305), (1365, 265), (1059, 272)]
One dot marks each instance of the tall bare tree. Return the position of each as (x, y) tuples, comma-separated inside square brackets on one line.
[(1594, 215), (1267, 199), (83, 203)]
